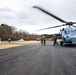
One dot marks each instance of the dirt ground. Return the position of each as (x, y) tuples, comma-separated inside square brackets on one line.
[(5, 44)]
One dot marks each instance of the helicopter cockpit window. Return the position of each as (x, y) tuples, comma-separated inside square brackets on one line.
[(71, 31)]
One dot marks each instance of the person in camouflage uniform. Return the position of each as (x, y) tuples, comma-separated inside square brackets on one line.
[(55, 40), (43, 40)]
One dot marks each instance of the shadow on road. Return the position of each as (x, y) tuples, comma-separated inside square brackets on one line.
[(69, 45)]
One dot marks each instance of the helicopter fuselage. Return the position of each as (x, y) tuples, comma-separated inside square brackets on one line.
[(68, 35)]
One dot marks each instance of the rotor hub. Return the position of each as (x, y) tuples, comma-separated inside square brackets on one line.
[(69, 23)]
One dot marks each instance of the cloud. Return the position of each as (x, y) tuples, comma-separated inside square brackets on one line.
[(21, 14), (5, 9)]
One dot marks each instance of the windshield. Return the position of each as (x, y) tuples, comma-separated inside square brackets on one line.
[(70, 31)]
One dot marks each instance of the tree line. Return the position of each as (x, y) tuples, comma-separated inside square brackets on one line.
[(7, 31)]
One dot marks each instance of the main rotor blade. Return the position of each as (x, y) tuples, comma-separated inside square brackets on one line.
[(74, 22), (51, 27), (61, 20)]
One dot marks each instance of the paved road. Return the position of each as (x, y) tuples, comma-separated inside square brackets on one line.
[(38, 60)]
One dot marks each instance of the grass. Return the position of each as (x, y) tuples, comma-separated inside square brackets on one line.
[(5, 44)]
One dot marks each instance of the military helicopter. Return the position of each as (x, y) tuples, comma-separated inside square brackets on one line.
[(68, 34)]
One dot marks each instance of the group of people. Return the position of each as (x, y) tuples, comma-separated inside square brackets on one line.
[(43, 40)]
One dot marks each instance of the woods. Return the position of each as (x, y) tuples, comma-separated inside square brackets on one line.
[(7, 31)]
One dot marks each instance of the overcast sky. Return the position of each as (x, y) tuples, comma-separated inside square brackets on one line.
[(20, 14)]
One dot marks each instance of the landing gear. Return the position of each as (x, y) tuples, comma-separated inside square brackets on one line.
[(70, 42)]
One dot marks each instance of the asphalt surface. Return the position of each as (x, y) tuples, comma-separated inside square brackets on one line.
[(35, 59)]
